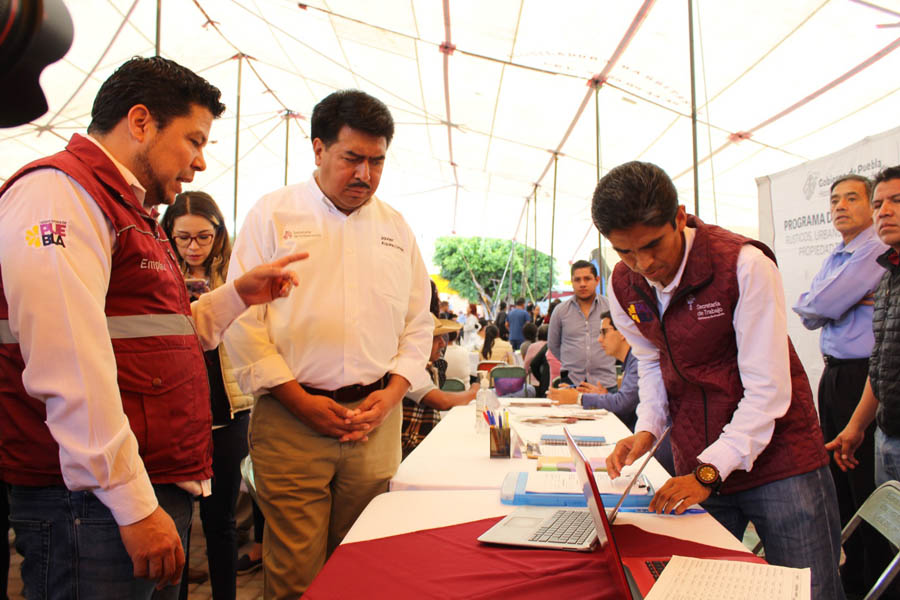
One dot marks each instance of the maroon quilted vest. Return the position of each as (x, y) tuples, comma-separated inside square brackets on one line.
[(159, 362), (698, 359)]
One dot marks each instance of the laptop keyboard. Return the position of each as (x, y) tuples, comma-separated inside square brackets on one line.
[(656, 567), (566, 527)]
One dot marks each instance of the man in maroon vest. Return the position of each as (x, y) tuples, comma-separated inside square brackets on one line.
[(104, 404), (704, 312)]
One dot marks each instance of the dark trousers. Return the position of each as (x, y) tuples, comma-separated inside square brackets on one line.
[(840, 389), (259, 522), (217, 510)]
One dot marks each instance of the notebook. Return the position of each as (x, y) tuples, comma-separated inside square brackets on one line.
[(633, 576)]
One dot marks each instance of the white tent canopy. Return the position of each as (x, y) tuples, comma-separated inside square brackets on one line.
[(486, 94)]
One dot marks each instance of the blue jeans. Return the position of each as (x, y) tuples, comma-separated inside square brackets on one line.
[(797, 521), (71, 545), (887, 457)]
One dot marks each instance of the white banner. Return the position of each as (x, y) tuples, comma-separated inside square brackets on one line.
[(795, 220)]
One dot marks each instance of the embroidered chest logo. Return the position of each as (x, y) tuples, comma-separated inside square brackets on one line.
[(47, 233), (640, 312), (391, 243), (690, 301), (292, 234), (709, 310)]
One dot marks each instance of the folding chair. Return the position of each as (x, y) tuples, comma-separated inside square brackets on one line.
[(881, 510), (488, 365), (453, 385)]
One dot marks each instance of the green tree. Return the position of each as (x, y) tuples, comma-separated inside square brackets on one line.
[(487, 258)]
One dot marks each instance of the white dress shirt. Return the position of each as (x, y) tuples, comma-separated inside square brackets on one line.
[(760, 325), (56, 297), (362, 306)]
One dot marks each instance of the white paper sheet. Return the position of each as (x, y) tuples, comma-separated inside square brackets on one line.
[(703, 579), (566, 482), (588, 451)]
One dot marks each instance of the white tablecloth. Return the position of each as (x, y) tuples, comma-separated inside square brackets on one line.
[(454, 457)]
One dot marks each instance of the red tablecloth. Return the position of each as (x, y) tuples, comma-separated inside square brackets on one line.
[(448, 562)]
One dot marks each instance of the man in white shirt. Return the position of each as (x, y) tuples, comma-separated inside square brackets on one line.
[(104, 407), (703, 309), (332, 364)]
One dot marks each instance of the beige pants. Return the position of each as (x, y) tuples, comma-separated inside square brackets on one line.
[(311, 489)]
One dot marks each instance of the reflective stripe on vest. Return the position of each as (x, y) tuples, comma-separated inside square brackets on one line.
[(132, 326), (6, 336)]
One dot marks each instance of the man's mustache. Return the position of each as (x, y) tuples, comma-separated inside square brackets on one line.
[(360, 184)]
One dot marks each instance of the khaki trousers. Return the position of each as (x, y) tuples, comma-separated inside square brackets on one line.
[(311, 488)]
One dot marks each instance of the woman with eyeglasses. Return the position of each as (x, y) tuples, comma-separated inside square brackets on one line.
[(196, 230)]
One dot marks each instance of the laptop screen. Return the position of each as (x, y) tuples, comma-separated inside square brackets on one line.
[(598, 513)]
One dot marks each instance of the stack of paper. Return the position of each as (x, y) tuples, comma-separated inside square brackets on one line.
[(567, 482), (702, 579)]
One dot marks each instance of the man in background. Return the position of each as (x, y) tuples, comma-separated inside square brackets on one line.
[(840, 302), (574, 328), (515, 320), (333, 362), (421, 406), (623, 402), (881, 396), (501, 321)]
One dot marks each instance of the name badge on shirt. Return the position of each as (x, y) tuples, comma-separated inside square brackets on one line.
[(640, 312)]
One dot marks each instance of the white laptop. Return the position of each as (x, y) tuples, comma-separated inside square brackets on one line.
[(557, 527)]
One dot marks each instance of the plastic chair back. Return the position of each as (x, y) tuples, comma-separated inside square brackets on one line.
[(508, 380), (881, 510), (453, 385)]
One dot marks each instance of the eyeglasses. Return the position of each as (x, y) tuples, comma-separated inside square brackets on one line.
[(203, 239)]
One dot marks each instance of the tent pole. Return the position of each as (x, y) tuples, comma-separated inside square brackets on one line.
[(553, 224), (509, 281), (599, 169), (237, 136), (287, 139), (690, 4), (525, 248), (534, 256), (158, 23)]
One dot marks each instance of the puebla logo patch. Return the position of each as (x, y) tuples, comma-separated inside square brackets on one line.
[(639, 312), (47, 233)]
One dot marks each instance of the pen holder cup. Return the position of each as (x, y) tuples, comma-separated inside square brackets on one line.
[(500, 446)]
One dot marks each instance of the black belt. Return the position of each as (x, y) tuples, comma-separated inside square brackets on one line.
[(350, 393), (831, 361)]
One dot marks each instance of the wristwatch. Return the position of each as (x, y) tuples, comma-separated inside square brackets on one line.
[(708, 475)]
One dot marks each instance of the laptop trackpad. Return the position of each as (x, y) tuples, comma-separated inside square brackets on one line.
[(524, 522)]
